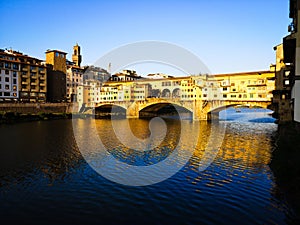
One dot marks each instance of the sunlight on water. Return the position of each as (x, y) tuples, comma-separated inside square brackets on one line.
[(43, 175)]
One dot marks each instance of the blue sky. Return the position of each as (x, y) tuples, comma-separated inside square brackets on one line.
[(227, 35)]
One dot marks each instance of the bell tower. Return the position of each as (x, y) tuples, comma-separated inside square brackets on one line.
[(76, 57)]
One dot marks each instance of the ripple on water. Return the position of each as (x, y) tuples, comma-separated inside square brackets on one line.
[(59, 186)]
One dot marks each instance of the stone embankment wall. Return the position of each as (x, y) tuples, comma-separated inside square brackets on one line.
[(35, 108)]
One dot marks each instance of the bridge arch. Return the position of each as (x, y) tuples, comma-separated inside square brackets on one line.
[(228, 105), (109, 109), (163, 107)]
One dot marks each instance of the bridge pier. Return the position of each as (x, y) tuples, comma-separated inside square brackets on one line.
[(132, 111), (212, 116)]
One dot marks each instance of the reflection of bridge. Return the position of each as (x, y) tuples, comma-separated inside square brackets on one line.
[(200, 109)]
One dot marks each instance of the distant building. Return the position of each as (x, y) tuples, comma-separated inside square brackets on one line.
[(158, 76), (74, 75), (56, 70), (125, 75), (89, 93), (76, 56), (96, 73), (23, 78), (246, 87)]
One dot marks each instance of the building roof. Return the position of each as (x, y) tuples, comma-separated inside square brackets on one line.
[(242, 73), (54, 50)]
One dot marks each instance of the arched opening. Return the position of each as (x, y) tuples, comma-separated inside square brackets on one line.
[(166, 110), (243, 113), (75, 52), (110, 111), (166, 93), (176, 93)]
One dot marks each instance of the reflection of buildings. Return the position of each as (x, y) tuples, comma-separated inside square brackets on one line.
[(23, 78)]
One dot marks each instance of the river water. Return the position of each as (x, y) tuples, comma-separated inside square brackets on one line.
[(45, 179)]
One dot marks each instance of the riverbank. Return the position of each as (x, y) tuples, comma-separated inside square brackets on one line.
[(36, 108), (13, 117), (23, 112)]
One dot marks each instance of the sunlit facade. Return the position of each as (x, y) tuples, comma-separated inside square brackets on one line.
[(23, 78), (244, 87)]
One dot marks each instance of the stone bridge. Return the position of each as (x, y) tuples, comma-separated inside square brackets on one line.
[(200, 109)]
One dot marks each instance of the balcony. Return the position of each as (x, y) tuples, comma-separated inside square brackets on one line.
[(33, 83), (24, 89), (43, 90), (42, 71), (33, 77), (34, 90), (42, 84), (42, 78), (24, 69), (33, 70), (25, 75), (24, 82)]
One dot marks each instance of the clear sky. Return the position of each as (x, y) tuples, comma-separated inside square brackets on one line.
[(227, 35)]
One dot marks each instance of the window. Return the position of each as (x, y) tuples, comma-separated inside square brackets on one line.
[(6, 71), (286, 82), (14, 81), (287, 73), (6, 87), (224, 96), (224, 88), (6, 94), (6, 79), (14, 74), (56, 54)]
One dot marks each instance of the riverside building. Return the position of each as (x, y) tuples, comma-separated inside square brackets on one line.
[(23, 78)]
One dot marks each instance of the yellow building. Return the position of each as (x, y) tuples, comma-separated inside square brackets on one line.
[(246, 86)]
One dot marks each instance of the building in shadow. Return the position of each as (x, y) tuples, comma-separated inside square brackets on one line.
[(56, 79)]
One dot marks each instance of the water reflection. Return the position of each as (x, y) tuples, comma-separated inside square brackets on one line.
[(43, 176)]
